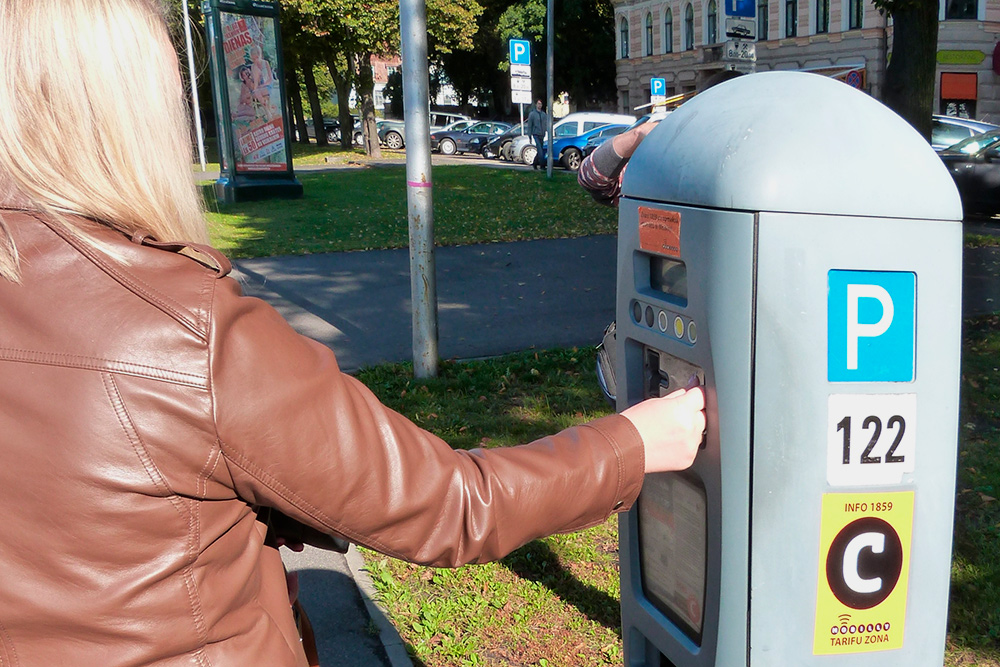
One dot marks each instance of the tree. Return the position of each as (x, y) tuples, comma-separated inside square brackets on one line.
[(356, 30), (583, 50), (909, 77)]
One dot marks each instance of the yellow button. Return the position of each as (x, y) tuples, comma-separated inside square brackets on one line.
[(678, 327)]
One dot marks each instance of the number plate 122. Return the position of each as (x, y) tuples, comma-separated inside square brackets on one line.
[(871, 438)]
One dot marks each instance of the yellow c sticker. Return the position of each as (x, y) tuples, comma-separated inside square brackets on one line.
[(864, 568)]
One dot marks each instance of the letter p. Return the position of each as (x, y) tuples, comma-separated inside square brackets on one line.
[(857, 329)]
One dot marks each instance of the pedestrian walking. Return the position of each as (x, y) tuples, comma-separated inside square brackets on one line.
[(536, 123)]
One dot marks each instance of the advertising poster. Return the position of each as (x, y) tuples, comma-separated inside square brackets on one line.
[(256, 108)]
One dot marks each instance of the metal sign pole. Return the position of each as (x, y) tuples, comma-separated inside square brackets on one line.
[(549, 84), (420, 210), (195, 106)]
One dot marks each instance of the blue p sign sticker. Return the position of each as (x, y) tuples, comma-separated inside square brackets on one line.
[(520, 53), (657, 86), (871, 326)]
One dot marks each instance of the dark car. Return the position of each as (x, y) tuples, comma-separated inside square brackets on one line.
[(330, 125), (470, 140), (975, 166), (603, 134), (949, 130), (499, 146)]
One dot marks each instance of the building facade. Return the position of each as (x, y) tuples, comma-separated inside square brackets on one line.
[(683, 41)]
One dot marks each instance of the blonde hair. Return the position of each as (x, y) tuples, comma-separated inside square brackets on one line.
[(92, 120)]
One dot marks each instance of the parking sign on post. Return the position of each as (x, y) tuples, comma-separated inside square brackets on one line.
[(520, 73), (520, 52), (657, 90)]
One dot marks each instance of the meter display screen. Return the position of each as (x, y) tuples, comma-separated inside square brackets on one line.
[(672, 544), (668, 276)]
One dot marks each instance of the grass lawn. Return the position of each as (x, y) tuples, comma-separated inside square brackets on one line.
[(361, 209)]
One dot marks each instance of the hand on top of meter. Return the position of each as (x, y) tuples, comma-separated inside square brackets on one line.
[(671, 428)]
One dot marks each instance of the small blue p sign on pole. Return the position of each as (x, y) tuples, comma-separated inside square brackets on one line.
[(658, 86), (520, 52)]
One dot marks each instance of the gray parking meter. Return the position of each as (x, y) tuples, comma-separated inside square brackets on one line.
[(794, 247)]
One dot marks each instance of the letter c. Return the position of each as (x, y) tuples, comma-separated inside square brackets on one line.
[(873, 541)]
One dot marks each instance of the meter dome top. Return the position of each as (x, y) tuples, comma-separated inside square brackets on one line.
[(792, 142)]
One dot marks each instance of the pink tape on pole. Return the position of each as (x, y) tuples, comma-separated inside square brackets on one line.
[(418, 184)]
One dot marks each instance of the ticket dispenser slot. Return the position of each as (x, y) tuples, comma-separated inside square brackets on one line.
[(666, 373)]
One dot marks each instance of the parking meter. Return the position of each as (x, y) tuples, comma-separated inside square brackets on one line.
[(794, 247)]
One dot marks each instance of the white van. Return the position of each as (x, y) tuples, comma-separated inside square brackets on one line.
[(569, 125), (579, 122)]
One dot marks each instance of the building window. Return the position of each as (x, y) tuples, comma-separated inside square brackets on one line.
[(649, 34), (822, 16), (961, 9), (791, 18), (623, 36), (959, 91), (668, 32), (626, 107), (855, 12), (688, 27), (762, 12), (712, 31)]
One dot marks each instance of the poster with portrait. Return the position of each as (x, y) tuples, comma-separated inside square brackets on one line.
[(255, 105)]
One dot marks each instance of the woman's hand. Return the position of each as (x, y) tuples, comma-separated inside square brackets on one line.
[(671, 428)]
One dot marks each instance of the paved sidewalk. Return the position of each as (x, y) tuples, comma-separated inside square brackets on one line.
[(492, 299)]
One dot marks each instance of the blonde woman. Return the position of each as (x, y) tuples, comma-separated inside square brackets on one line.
[(147, 409)]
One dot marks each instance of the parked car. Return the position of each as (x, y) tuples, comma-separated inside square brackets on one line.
[(975, 165), (442, 119), (469, 140), (330, 125), (499, 146), (391, 132), (600, 136), (568, 151), (577, 123), (571, 125), (949, 130)]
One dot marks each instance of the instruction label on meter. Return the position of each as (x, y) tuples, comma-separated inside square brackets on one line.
[(863, 574), (871, 438), (660, 231)]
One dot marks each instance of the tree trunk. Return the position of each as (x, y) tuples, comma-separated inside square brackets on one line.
[(317, 112), (366, 89), (909, 78), (342, 82), (298, 116)]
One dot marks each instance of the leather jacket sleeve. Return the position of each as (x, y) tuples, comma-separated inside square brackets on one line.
[(299, 435)]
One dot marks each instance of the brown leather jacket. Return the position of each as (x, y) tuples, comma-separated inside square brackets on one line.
[(146, 406)]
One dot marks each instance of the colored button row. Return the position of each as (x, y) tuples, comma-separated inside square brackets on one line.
[(664, 321)]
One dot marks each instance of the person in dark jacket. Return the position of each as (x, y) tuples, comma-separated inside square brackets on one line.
[(152, 415), (535, 127)]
